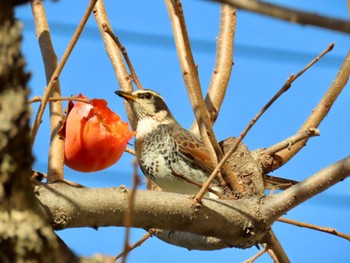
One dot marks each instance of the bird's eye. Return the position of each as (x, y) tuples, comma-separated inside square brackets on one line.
[(148, 96)]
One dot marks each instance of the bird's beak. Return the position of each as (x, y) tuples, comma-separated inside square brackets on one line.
[(125, 95)]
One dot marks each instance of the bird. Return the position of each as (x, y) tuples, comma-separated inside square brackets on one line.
[(174, 158)]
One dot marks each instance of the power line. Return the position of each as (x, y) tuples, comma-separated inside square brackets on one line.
[(198, 45)]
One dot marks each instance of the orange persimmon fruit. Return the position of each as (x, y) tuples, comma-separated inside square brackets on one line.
[(95, 137)]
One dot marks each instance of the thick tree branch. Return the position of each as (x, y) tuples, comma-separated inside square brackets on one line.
[(124, 80), (56, 152), (276, 206), (239, 223), (236, 222), (320, 112), (291, 15)]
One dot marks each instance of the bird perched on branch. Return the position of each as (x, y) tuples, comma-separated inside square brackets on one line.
[(171, 156)]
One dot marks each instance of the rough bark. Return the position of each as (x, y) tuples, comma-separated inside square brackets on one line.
[(237, 222), (24, 233)]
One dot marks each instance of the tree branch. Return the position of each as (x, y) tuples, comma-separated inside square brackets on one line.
[(328, 230), (291, 15), (133, 246), (289, 142), (320, 112), (49, 88), (223, 66), (273, 244), (129, 213), (56, 152), (235, 222), (190, 75), (125, 55), (124, 80), (276, 206)]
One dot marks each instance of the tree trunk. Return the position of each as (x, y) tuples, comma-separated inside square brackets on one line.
[(24, 233)]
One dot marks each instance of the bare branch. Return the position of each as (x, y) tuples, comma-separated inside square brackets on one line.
[(115, 56), (328, 230), (223, 66), (273, 245), (190, 75), (135, 245), (58, 70), (285, 87), (291, 15), (129, 150), (321, 110), (125, 55), (289, 142), (235, 222), (276, 206), (272, 255), (129, 214), (257, 255), (72, 98), (56, 151)]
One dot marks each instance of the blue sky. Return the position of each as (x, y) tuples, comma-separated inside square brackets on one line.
[(266, 52)]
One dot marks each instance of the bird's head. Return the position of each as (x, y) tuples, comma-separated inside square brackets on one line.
[(147, 104)]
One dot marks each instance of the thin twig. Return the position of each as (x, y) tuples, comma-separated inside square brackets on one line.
[(273, 256), (199, 185), (56, 151), (135, 245), (234, 147), (291, 15), (275, 249), (321, 110), (58, 70), (289, 142), (114, 54), (125, 54), (131, 151), (129, 214), (257, 255), (328, 230), (72, 98)]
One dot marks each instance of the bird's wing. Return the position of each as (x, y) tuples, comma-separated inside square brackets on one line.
[(277, 183), (193, 149)]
